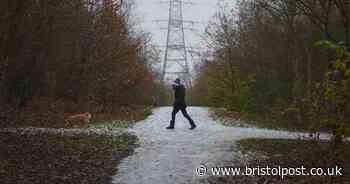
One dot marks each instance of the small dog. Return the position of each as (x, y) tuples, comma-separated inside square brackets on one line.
[(78, 118)]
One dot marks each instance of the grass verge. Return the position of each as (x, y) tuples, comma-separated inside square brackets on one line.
[(122, 118), (229, 118), (50, 159)]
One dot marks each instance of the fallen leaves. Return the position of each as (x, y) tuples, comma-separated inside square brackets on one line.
[(49, 158)]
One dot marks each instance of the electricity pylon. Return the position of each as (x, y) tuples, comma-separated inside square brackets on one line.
[(175, 63)]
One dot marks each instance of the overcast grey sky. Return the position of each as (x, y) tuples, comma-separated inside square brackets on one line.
[(150, 10)]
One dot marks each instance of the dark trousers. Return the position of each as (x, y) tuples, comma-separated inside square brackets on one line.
[(176, 109)]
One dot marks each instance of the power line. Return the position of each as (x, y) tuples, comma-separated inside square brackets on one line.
[(175, 49)]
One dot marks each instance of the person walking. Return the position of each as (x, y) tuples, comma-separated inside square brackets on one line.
[(180, 105)]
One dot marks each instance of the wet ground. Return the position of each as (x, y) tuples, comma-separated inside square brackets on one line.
[(172, 156)]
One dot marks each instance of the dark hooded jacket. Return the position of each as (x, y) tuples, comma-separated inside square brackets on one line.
[(180, 93)]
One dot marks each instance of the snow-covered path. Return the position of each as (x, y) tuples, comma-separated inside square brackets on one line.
[(172, 156)]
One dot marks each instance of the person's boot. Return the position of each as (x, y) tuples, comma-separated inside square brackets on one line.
[(193, 126), (171, 126)]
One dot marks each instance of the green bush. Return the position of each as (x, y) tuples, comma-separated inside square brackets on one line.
[(230, 88)]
